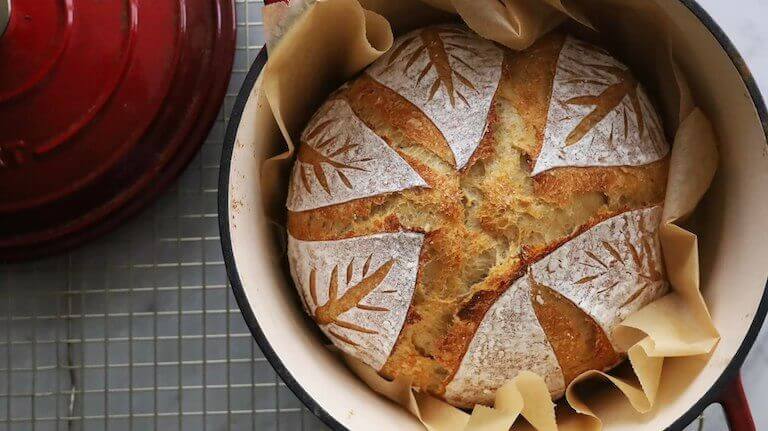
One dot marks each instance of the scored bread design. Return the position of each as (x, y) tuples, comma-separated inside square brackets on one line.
[(451, 76), (609, 271), (341, 159), (460, 212), (509, 340), (358, 289), (598, 115)]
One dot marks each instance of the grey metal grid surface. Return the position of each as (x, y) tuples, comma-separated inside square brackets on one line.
[(139, 330)]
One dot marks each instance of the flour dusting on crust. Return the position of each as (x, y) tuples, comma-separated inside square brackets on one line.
[(510, 339), (611, 270), (599, 115), (341, 159), (451, 75), (358, 290)]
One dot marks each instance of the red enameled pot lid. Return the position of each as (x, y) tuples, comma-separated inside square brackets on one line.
[(102, 104)]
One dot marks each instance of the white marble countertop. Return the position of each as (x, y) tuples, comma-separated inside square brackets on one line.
[(744, 21)]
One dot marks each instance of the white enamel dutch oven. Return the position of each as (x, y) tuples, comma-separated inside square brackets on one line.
[(732, 234)]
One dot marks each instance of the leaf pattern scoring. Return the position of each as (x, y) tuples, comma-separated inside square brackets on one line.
[(609, 271), (341, 159), (451, 75), (358, 290), (609, 122)]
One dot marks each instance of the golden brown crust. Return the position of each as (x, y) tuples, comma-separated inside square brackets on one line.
[(528, 77), (468, 316), (485, 224), (472, 310), (337, 221), (642, 182), (378, 105), (578, 342)]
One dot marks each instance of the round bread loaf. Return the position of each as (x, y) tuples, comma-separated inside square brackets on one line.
[(461, 212)]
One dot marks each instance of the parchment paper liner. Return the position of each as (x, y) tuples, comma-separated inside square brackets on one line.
[(314, 58)]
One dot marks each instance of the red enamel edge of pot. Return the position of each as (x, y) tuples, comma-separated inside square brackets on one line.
[(734, 402), (727, 391)]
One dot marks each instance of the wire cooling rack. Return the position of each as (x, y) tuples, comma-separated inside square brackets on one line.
[(140, 330)]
